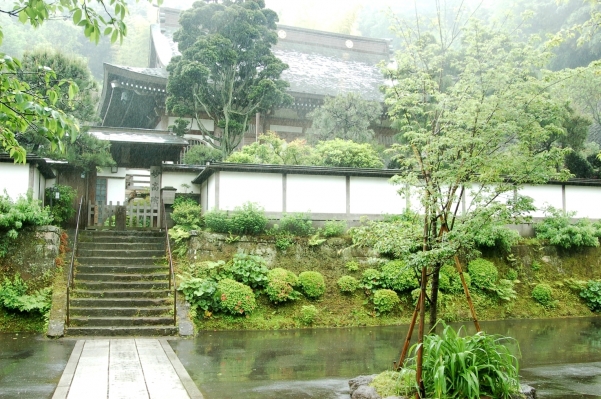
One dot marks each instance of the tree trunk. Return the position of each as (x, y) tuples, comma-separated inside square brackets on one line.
[(434, 295)]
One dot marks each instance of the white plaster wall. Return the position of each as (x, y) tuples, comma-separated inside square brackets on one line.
[(115, 191), (106, 172), (203, 196), (14, 178), (318, 194), (543, 196), (176, 179), (584, 201), (236, 189), (36, 184), (211, 192), (371, 195)]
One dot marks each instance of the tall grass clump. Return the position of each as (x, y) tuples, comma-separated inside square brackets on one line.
[(468, 367)]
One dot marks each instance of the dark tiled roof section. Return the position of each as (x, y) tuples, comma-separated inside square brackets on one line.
[(326, 73), (594, 133)]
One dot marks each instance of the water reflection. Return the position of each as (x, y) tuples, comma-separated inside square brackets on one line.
[(317, 363), (30, 366)]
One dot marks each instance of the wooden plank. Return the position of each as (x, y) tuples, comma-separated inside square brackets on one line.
[(162, 380), (126, 379), (91, 376), (63, 385), (183, 375)]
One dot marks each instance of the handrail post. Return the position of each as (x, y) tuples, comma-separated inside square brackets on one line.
[(70, 276), (170, 260)]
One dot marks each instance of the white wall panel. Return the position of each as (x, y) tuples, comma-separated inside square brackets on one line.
[(543, 196), (370, 195), (176, 179), (263, 188), (585, 201), (115, 191), (14, 178), (211, 192), (316, 193)]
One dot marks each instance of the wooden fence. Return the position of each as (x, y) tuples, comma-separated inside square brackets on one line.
[(138, 216)]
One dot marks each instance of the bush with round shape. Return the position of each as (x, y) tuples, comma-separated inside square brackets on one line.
[(312, 284), (348, 284), (218, 221), (298, 224), (397, 276), (543, 294), (333, 228), (186, 213), (308, 314), (235, 298), (371, 279), (280, 285), (484, 273), (385, 300)]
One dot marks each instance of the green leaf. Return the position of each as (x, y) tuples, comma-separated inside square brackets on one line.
[(77, 16)]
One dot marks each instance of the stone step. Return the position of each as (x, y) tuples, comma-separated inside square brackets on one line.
[(119, 260), (87, 302), (122, 269), (78, 321), (158, 245), (98, 294), (122, 331), (93, 276), (114, 233), (120, 253), (122, 285), (121, 312)]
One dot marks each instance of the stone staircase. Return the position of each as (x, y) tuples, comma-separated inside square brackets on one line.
[(121, 285)]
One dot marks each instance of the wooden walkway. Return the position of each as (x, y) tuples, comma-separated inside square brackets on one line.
[(125, 369)]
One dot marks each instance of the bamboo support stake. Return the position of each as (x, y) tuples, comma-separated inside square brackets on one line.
[(467, 293), (409, 334), (421, 392)]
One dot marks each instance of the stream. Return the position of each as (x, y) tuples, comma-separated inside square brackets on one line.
[(560, 357)]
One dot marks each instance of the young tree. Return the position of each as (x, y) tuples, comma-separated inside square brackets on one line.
[(227, 70), (21, 107), (345, 117), (473, 111)]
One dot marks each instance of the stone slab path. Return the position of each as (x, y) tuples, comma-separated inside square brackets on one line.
[(125, 369)]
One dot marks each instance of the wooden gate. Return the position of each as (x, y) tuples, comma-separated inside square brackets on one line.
[(138, 216)]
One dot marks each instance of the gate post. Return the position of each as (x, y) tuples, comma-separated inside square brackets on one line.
[(120, 218)]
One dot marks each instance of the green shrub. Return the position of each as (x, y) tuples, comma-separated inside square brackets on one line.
[(312, 284), (346, 153), (496, 236), (236, 298), (348, 284), (200, 154), (558, 230), (298, 224), (592, 295), (218, 221), (371, 279), (200, 293), (13, 296), (333, 228), (250, 270), (543, 294), (397, 276), (280, 285), (62, 208), (385, 300), (248, 219), (512, 274), (470, 367), (180, 236), (15, 215), (352, 266), (187, 214), (450, 281), (308, 314), (504, 290), (395, 383), (484, 274)]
